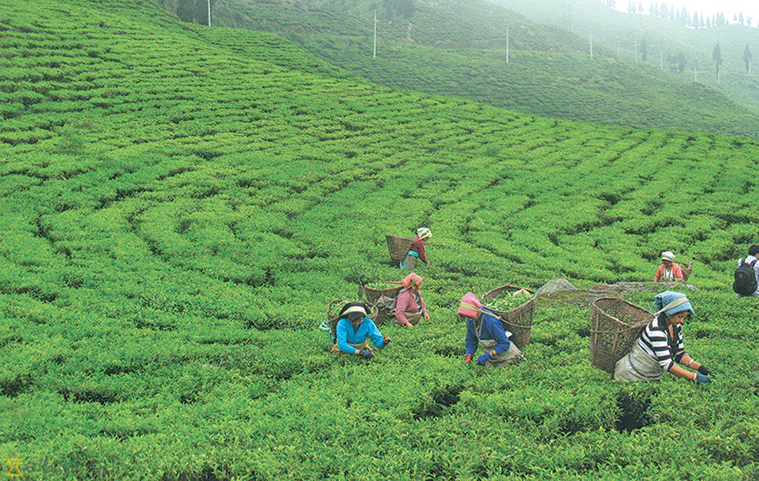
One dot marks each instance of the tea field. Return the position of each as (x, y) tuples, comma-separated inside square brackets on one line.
[(179, 209)]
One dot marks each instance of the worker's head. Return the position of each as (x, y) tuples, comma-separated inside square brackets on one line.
[(412, 282), (667, 258), (470, 307), (753, 250), (675, 306), (355, 312), (423, 233)]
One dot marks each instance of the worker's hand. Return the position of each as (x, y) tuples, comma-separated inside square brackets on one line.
[(426, 316), (482, 360), (409, 325), (703, 370), (365, 353), (493, 353), (702, 379), (468, 359), (385, 341)]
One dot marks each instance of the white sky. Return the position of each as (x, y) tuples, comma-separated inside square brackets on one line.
[(750, 8)]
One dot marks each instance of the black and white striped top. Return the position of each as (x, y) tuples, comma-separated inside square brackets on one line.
[(658, 344)]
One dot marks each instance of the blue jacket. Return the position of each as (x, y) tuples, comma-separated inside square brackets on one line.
[(490, 328), (347, 335)]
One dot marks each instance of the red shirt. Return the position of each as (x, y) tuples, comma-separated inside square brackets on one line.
[(406, 302), (419, 248), (676, 272)]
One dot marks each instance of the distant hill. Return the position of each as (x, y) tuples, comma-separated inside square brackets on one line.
[(458, 48), (621, 32)]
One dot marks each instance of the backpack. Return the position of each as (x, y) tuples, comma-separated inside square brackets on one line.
[(745, 278)]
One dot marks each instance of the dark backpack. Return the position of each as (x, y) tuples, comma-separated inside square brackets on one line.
[(745, 278)]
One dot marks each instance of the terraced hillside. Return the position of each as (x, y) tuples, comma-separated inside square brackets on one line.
[(458, 48), (178, 211)]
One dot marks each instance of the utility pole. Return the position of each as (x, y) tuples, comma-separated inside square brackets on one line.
[(507, 44), (619, 50), (661, 61), (209, 13), (374, 55), (636, 51), (590, 33)]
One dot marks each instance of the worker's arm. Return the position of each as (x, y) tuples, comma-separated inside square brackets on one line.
[(471, 339), (374, 333), (499, 336)]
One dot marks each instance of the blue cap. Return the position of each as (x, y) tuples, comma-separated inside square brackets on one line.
[(665, 298)]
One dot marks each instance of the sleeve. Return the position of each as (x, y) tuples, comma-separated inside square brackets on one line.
[(658, 342), (401, 302), (374, 333), (420, 250), (471, 339), (680, 346), (499, 336), (342, 337), (678, 272), (658, 273)]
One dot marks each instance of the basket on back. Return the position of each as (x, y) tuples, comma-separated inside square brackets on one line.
[(398, 247), (686, 272), (615, 327), (517, 320), (373, 292)]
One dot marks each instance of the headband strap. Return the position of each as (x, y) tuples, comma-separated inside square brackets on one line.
[(672, 305), (469, 307)]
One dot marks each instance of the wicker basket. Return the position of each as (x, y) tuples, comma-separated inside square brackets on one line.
[(374, 292), (517, 320), (686, 273), (615, 326), (398, 247)]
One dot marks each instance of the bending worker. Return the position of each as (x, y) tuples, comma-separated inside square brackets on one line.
[(485, 328), (668, 271), (409, 305), (659, 348), (355, 329), (417, 249)]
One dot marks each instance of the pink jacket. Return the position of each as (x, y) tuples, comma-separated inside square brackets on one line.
[(676, 271), (405, 302)]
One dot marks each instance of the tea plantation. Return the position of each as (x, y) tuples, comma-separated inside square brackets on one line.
[(178, 211)]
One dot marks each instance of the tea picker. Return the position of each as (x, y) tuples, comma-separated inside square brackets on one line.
[(354, 331), (409, 305), (417, 249), (483, 327), (659, 348), (669, 271)]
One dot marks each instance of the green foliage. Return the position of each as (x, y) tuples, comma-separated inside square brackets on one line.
[(178, 210)]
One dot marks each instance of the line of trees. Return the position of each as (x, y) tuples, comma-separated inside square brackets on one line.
[(682, 15)]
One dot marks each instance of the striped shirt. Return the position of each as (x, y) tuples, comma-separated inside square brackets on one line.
[(658, 344)]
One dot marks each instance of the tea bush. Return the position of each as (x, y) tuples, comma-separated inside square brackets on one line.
[(177, 215)]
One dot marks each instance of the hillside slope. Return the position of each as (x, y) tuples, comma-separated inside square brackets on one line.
[(621, 33), (549, 72), (178, 214)]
